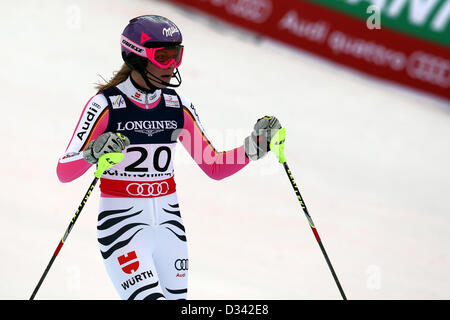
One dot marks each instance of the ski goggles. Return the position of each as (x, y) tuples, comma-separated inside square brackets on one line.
[(162, 57)]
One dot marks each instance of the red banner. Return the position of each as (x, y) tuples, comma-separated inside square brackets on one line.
[(346, 40)]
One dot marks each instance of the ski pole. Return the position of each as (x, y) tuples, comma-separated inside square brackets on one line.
[(105, 162), (277, 147)]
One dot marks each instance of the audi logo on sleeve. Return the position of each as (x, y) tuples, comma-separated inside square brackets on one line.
[(182, 264)]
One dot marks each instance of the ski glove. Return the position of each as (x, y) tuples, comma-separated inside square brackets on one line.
[(257, 145), (105, 143)]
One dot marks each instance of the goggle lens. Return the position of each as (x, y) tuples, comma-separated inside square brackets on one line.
[(166, 56)]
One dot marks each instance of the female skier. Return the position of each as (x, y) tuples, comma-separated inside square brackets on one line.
[(140, 230)]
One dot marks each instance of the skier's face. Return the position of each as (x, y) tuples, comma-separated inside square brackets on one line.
[(163, 74)]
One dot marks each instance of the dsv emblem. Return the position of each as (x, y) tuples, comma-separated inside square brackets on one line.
[(182, 264)]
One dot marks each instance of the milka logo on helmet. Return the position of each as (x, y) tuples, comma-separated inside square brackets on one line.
[(147, 127), (168, 32)]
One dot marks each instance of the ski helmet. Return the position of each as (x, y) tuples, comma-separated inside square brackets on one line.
[(142, 37)]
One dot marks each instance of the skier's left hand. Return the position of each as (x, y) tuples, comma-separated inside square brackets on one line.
[(257, 145)]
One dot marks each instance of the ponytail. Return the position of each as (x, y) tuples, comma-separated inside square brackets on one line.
[(118, 77)]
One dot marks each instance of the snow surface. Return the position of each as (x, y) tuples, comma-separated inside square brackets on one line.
[(371, 160)]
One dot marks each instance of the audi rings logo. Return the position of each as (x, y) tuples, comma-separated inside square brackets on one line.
[(430, 68), (257, 11), (148, 189), (182, 264)]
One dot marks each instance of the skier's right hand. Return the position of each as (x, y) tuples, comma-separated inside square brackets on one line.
[(105, 143)]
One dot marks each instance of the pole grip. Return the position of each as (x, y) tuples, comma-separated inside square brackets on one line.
[(277, 145)]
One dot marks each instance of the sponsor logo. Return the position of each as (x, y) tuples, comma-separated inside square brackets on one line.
[(118, 102), (168, 32), (132, 46), (181, 264), (171, 101), (429, 68), (95, 104), (129, 262), (136, 279), (144, 37), (90, 116), (147, 127), (70, 155), (368, 51), (142, 97), (148, 189), (257, 11), (149, 133), (181, 275), (303, 28)]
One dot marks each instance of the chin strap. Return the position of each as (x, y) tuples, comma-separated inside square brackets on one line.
[(146, 75)]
